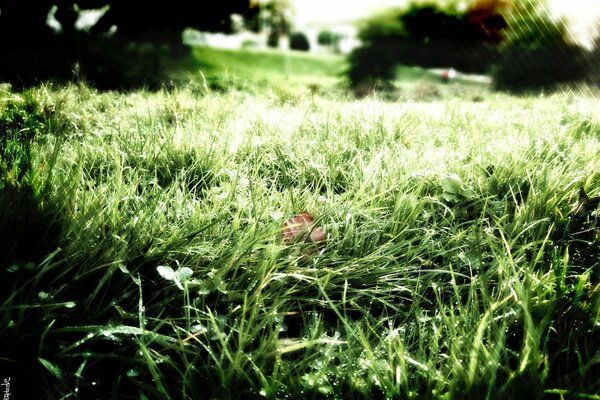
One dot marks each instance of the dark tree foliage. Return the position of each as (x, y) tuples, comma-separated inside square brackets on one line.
[(299, 41), (270, 15), (273, 39), (429, 22), (373, 62), (331, 39), (525, 70), (327, 38), (22, 18), (134, 17), (487, 16), (147, 34)]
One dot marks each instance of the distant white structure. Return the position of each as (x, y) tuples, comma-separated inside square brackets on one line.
[(242, 39)]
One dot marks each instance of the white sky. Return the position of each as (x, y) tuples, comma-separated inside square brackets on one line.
[(583, 17), (332, 11)]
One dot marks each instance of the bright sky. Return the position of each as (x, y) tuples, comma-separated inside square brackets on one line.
[(331, 11), (583, 18)]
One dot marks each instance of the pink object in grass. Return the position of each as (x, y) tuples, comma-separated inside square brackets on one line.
[(301, 228)]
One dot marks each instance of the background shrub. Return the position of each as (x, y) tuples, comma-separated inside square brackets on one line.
[(326, 38), (546, 67), (299, 41), (330, 39), (373, 63)]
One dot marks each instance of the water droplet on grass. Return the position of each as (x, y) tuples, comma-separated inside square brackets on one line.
[(198, 329)]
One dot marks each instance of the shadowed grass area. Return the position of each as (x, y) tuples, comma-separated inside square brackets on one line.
[(454, 267)]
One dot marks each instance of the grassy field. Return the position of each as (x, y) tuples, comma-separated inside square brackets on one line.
[(296, 73), (142, 257), (266, 66)]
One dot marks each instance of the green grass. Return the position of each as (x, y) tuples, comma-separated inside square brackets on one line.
[(452, 268), (245, 69), (258, 64)]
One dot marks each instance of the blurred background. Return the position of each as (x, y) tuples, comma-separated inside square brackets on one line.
[(513, 45)]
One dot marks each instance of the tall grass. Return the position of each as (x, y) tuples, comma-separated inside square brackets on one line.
[(451, 269)]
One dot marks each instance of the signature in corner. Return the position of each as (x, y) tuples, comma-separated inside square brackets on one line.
[(6, 392)]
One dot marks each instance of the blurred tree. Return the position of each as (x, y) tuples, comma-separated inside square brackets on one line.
[(31, 51), (330, 39), (537, 53), (269, 15), (299, 41), (429, 22), (20, 17), (488, 17), (531, 26), (131, 17), (136, 17), (272, 16), (429, 34), (273, 39)]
